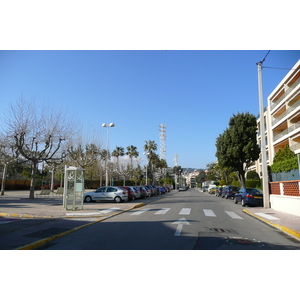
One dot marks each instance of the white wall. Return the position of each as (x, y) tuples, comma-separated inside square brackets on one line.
[(286, 204)]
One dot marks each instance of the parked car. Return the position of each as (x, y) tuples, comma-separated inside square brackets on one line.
[(211, 187), (131, 193), (204, 188), (229, 191), (107, 193), (137, 192), (147, 190), (162, 190), (142, 191), (212, 191), (249, 196), (182, 188), (219, 191), (156, 192), (152, 191), (168, 189)]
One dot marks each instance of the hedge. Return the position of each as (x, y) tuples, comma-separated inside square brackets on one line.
[(254, 183)]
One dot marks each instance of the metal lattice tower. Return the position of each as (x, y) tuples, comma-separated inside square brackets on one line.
[(163, 136)]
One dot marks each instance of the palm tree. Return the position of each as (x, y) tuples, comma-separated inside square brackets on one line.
[(132, 152), (119, 151), (150, 147)]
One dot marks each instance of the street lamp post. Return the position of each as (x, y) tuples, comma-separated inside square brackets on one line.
[(107, 149)]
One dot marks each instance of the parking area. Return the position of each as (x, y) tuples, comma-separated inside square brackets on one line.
[(17, 205)]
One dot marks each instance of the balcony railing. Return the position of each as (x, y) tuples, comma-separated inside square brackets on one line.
[(286, 93), (286, 131), (291, 108)]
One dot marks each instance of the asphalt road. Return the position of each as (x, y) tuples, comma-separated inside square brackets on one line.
[(188, 220)]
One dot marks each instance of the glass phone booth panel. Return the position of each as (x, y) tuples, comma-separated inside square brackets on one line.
[(73, 188)]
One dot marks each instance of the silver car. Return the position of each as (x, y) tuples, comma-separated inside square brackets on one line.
[(107, 193)]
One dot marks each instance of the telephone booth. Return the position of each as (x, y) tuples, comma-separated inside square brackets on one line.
[(73, 188)]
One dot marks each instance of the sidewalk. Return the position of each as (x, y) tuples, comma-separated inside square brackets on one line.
[(285, 222), (16, 204)]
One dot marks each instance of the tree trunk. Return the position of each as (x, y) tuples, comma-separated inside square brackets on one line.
[(3, 179), (242, 178), (32, 181)]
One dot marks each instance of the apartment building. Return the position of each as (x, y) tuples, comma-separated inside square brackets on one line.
[(281, 118), (191, 178), (284, 110), (266, 132)]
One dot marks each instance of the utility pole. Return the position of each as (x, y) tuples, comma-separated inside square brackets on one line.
[(265, 177)]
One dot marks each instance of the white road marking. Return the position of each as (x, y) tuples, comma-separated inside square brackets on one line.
[(267, 216), (233, 215), (107, 211), (139, 212), (209, 213), (162, 211), (83, 214), (185, 211), (180, 224)]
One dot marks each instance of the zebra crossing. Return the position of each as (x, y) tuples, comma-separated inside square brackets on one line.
[(186, 211)]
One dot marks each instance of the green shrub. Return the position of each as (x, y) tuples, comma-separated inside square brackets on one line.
[(252, 175), (285, 165), (284, 160), (249, 183), (236, 183)]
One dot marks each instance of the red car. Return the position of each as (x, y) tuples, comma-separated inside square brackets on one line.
[(131, 194)]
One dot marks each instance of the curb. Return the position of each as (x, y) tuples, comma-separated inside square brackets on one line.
[(7, 215), (285, 229), (53, 237)]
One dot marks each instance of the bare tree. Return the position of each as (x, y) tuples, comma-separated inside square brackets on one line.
[(37, 133), (84, 156), (8, 154)]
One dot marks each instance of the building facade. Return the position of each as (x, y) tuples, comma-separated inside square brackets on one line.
[(281, 118), (284, 109)]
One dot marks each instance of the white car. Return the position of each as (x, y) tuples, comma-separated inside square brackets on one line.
[(107, 193)]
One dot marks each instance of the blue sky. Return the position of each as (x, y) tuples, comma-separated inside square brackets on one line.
[(193, 92)]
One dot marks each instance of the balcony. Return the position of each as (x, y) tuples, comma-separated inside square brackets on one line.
[(287, 91), (285, 113), (290, 129)]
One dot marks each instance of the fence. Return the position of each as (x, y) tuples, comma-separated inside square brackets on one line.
[(285, 176), (11, 184), (286, 188)]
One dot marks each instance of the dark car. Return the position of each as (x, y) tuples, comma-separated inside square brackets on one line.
[(218, 192), (249, 196), (142, 191), (162, 190), (229, 191)]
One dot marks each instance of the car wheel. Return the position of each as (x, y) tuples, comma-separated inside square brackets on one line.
[(243, 202), (88, 199), (118, 199)]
